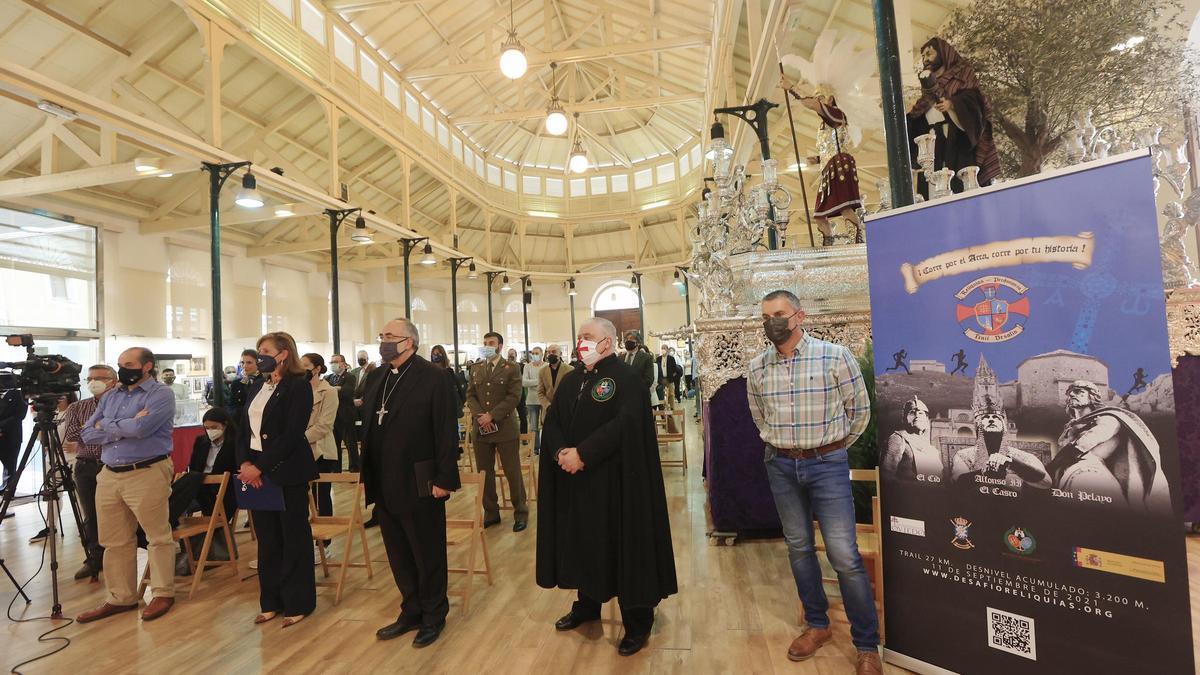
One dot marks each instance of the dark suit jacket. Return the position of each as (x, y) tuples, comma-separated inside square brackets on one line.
[(643, 366), (346, 386), (286, 458), (225, 457), (420, 436)]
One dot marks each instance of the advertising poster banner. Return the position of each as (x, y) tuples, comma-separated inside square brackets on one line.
[(1028, 456)]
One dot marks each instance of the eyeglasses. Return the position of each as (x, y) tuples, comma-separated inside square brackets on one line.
[(105, 378), (388, 337)]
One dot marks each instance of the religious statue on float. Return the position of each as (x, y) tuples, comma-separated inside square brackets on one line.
[(953, 111), (843, 88)]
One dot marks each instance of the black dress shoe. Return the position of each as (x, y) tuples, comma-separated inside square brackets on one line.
[(489, 523), (400, 627), (428, 634), (572, 621), (520, 526), (632, 645)]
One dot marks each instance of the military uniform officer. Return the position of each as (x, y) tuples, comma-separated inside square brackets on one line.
[(492, 398)]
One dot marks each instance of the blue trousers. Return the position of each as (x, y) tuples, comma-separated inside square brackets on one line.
[(808, 489)]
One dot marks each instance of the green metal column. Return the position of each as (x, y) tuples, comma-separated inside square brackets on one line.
[(894, 124)]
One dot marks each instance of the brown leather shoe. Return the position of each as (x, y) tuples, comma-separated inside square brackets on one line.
[(868, 664), (156, 608), (103, 611), (808, 643)]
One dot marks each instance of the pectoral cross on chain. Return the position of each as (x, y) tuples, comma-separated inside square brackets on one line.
[(382, 411)]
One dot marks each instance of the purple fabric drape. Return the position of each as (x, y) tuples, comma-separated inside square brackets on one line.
[(1187, 421), (739, 497)]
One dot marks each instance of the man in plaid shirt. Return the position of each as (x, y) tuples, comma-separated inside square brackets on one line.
[(810, 404), (100, 380)]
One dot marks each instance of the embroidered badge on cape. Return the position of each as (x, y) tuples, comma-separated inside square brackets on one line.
[(604, 390)]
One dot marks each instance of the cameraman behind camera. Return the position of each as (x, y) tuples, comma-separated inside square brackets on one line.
[(100, 380), (133, 425), (12, 412)]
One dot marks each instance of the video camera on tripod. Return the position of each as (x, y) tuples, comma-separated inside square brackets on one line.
[(43, 380), (40, 376)]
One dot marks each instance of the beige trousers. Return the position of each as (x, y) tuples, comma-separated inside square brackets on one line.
[(124, 501)]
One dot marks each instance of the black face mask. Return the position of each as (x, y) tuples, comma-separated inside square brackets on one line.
[(552, 359), (129, 376), (362, 362), (308, 375), (266, 364), (437, 358), (630, 345), (777, 329)]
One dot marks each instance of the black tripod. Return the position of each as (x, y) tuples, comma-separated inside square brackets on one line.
[(58, 478)]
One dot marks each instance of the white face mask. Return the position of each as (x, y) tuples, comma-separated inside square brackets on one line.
[(97, 387), (214, 434), (588, 352)]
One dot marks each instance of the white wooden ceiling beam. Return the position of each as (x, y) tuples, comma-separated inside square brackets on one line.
[(228, 218), (90, 177), (537, 60), (610, 105)]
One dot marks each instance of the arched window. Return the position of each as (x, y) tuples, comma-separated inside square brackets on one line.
[(614, 295), (513, 306), (418, 305), (467, 306)]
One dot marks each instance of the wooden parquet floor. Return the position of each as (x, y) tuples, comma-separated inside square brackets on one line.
[(736, 613)]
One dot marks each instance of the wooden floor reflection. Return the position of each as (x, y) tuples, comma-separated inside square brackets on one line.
[(736, 613)]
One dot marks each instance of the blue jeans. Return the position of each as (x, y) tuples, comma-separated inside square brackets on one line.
[(819, 488), (533, 413)]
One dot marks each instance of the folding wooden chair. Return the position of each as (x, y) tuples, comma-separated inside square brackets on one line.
[(330, 527), (666, 438), (469, 531), (190, 526), (466, 444), (528, 468), (870, 543)]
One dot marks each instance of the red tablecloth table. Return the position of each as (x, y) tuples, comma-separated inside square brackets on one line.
[(181, 451)]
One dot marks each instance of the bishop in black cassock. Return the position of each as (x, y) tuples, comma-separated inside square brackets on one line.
[(602, 526), (410, 467)]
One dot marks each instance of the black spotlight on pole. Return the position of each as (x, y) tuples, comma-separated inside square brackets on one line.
[(408, 245), (217, 175), (336, 218)]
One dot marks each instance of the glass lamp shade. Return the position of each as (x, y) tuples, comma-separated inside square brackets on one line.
[(471, 273), (579, 161), (505, 287), (722, 157), (677, 281), (556, 120), (512, 58), (361, 235), (770, 174), (571, 291), (248, 197), (428, 258)]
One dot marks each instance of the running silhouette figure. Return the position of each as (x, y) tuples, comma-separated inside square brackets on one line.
[(1139, 382), (899, 356), (960, 363)]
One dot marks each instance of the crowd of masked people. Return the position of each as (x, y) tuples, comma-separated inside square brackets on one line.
[(603, 529)]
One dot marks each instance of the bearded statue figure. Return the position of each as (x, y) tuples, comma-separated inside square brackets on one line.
[(909, 454), (993, 460), (1109, 452)]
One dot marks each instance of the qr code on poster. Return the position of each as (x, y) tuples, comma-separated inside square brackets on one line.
[(1011, 633)]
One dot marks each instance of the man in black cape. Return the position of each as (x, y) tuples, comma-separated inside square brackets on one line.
[(603, 528)]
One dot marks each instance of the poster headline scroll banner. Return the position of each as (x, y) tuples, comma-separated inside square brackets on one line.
[(1076, 250)]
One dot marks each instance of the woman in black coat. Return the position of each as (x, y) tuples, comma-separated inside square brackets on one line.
[(220, 433), (437, 356), (272, 448)]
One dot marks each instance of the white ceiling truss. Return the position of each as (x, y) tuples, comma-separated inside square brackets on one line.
[(186, 81)]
